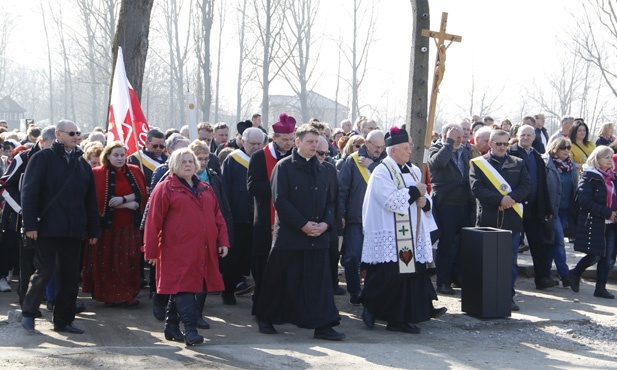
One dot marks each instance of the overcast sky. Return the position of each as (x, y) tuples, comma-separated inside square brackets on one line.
[(505, 44)]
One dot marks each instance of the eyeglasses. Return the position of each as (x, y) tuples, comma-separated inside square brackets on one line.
[(321, 154), (377, 146), (500, 144), (158, 146), (72, 133), (358, 146), (565, 147)]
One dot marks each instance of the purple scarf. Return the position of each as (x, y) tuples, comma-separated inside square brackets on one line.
[(563, 166)]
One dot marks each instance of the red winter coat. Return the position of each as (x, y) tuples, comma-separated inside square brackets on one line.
[(182, 233)]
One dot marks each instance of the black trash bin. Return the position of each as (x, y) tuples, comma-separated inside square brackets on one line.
[(486, 257)]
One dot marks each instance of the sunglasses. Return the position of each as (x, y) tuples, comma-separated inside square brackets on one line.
[(158, 146), (7, 148), (500, 144), (321, 154), (565, 147), (72, 133), (358, 146)]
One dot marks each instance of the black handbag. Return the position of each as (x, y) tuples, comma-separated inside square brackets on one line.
[(548, 230)]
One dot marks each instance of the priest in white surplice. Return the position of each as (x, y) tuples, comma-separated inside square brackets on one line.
[(396, 251)]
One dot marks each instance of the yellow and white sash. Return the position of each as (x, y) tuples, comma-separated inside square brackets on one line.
[(366, 174), (146, 161), (241, 158), (497, 180)]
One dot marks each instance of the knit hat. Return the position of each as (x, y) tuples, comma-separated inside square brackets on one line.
[(285, 125), (396, 136)]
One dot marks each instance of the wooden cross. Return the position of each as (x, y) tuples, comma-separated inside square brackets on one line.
[(440, 38)]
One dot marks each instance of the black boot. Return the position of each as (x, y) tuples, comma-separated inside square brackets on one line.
[(200, 301), (185, 304), (172, 323)]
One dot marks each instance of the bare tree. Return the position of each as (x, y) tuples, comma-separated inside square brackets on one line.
[(364, 20), (299, 71), (132, 34), (203, 30), (49, 67), (221, 17), (595, 37), (245, 50), (6, 30), (269, 22)]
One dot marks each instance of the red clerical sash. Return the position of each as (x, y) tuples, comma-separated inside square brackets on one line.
[(271, 160)]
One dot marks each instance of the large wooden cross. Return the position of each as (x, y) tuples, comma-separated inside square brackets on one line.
[(440, 38)]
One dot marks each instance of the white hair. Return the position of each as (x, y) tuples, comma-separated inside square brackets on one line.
[(483, 131)]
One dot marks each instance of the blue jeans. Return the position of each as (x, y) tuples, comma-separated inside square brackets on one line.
[(354, 238), (557, 250), (604, 262), (516, 239)]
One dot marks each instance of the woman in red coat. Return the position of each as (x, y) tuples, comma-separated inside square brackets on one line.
[(112, 265), (184, 235)]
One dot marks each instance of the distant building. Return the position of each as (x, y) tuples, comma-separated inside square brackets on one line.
[(319, 107), (11, 112)]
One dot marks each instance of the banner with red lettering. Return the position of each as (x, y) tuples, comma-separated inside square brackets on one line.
[(127, 122)]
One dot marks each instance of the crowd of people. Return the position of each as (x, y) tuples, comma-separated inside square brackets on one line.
[(193, 218)]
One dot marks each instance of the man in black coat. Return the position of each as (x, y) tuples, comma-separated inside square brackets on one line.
[(501, 207), (537, 208), (352, 180), (59, 210), (235, 169), (449, 166), (297, 285), (258, 183), (152, 156)]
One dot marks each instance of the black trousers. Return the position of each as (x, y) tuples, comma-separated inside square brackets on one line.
[(8, 251), (238, 262), (26, 269), (63, 254), (258, 266), (539, 252)]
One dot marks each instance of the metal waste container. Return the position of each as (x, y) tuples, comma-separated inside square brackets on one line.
[(486, 256)]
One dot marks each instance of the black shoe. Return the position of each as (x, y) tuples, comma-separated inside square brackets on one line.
[(575, 281), (192, 338), (328, 333), (201, 323), (403, 328), (368, 318), (545, 282), (28, 324), (338, 290), (355, 300), (50, 306), (603, 293), (173, 333), (514, 306), (565, 281), (445, 289), (229, 299), (244, 288), (265, 327), (70, 328), (438, 312)]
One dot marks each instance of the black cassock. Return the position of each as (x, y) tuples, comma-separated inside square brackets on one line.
[(297, 285)]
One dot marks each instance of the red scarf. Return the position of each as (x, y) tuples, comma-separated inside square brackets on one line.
[(609, 178)]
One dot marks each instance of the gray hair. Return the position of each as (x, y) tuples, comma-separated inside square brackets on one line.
[(483, 131), (48, 133), (97, 136), (497, 133), (173, 140), (375, 134), (525, 128), (446, 127), (252, 131)]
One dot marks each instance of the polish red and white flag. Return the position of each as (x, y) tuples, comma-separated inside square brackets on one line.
[(127, 122)]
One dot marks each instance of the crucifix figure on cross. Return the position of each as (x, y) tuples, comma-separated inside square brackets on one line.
[(440, 39)]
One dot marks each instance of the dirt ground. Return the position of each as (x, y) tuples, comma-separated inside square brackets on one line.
[(555, 328)]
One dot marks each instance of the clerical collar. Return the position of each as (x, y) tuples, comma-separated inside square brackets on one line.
[(302, 155), (277, 149)]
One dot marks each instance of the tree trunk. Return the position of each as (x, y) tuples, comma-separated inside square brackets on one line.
[(265, 99), (417, 103), (132, 35), (240, 63)]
